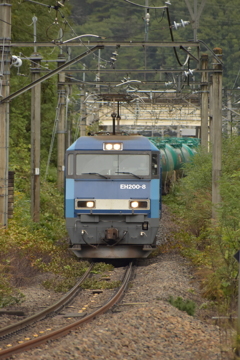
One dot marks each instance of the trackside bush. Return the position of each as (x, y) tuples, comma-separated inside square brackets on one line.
[(28, 249), (211, 245), (184, 305)]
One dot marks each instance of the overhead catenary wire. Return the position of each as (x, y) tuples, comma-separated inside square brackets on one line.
[(169, 23), (55, 7)]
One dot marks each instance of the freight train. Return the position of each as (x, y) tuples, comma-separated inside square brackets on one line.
[(174, 153), (113, 187), (112, 196)]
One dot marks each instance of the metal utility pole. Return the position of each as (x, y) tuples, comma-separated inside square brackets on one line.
[(35, 137), (146, 20), (118, 116), (5, 33), (83, 120), (98, 73), (204, 102), (229, 114), (210, 110), (217, 131), (68, 94), (61, 131), (35, 19), (195, 14)]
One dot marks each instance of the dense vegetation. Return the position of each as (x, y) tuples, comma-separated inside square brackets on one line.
[(119, 21), (210, 245)]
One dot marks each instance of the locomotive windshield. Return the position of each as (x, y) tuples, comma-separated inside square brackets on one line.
[(113, 164)]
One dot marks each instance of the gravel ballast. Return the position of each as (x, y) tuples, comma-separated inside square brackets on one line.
[(144, 325)]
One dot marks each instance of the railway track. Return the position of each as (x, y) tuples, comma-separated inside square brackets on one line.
[(6, 353), (40, 315)]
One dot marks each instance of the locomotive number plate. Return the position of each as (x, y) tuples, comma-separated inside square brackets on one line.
[(132, 186)]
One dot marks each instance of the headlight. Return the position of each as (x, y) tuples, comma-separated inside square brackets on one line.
[(84, 204), (139, 204), (117, 146), (90, 204), (134, 204), (112, 146), (108, 147)]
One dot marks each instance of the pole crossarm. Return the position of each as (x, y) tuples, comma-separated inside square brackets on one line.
[(141, 71), (114, 83), (188, 52), (50, 74), (170, 44)]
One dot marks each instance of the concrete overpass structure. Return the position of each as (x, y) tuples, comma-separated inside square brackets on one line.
[(142, 113)]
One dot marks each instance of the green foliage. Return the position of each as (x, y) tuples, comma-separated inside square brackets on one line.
[(94, 128), (95, 284), (101, 267), (52, 223), (68, 272), (193, 192), (211, 245), (29, 248), (218, 26), (8, 295), (184, 305)]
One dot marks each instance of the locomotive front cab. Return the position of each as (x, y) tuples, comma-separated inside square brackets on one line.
[(112, 199)]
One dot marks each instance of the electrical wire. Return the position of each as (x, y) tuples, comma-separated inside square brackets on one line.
[(146, 7), (163, 13), (80, 40), (171, 33), (56, 7), (213, 54), (169, 23), (236, 79), (33, 62), (55, 126), (5, 22)]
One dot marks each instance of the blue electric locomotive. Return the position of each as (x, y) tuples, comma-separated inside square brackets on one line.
[(112, 196)]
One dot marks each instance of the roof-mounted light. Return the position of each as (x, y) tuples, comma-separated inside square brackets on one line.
[(113, 146)]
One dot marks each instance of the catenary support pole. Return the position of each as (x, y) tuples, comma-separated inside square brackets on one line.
[(217, 132), (204, 102), (83, 116), (61, 129), (68, 95), (5, 35), (195, 14), (35, 137), (229, 114), (210, 135)]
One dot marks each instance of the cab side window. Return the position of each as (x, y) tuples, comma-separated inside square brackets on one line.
[(70, 165), (154, 170)]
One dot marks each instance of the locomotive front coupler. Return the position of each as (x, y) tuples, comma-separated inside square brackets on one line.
[(111, 234)]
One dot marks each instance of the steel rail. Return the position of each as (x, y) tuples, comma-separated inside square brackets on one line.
[(40, 315), (4, 354)]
